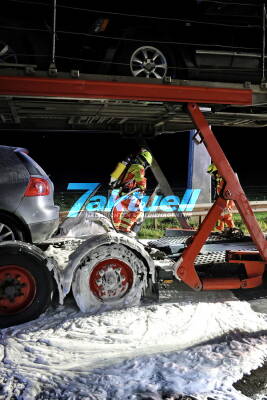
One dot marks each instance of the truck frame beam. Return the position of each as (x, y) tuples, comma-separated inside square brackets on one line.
[(86, 89)]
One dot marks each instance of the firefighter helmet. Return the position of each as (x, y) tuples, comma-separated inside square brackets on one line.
[(147, 156), (212, 168)]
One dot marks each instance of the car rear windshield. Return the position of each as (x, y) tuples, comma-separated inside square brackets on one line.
[(30, 164)]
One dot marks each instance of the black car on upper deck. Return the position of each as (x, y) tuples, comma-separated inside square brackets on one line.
[(199, 39)]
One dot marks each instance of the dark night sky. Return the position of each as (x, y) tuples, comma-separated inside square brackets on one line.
[(87, 157)]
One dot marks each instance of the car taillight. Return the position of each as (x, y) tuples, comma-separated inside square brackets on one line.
[(37, 187)]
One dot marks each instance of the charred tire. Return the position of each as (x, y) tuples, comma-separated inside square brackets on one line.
[(10, 229), (151, 292), (111, 276), (26, 284)]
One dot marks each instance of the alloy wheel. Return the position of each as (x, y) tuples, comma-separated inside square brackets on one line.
[(149, 62)]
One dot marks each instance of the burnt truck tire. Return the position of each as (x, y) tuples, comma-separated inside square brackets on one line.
[(111, 276), (26, 284)]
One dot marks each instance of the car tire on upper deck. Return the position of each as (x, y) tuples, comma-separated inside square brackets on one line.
[(146, 61)]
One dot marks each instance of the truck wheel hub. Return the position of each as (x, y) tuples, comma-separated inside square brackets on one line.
[(17, 289), (111, 279)]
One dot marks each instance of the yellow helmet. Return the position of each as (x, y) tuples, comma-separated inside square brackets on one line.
[(147, 156), (212, 168)]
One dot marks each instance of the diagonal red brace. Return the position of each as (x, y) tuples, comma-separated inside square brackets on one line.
[(184, 268), (233, 189)]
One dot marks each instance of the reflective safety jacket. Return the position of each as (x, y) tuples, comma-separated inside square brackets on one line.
[(134, 178), (219, 187), (219, 183)]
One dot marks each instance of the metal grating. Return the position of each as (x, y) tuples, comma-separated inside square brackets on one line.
[(182, 236), (211, 258)]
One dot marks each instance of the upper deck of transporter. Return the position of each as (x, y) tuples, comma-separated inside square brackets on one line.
[(39, 100)]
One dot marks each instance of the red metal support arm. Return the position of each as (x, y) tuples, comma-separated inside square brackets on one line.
[(86, 89), (233, 189), (184, 268)]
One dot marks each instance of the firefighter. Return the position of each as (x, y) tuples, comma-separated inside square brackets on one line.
[(226, 217), (134, 178)]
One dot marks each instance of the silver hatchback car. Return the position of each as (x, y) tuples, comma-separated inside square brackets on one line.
[(27, 209)]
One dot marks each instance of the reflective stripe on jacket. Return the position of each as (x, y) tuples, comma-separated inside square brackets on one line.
[(135, 178)]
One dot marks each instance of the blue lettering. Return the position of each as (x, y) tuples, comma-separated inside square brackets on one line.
[(168, 203), (112, 199), (154, 205), (97, 203), (137, 201), (193, 199), (144, 202), (89, 187), (185, 200)]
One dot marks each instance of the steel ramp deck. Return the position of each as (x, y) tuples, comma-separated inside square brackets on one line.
[(175, 239)]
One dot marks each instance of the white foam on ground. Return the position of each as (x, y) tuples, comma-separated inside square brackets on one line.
[(124, 354)]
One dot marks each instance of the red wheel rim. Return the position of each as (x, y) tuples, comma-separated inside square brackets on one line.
[(17, 289), (111, 279)]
